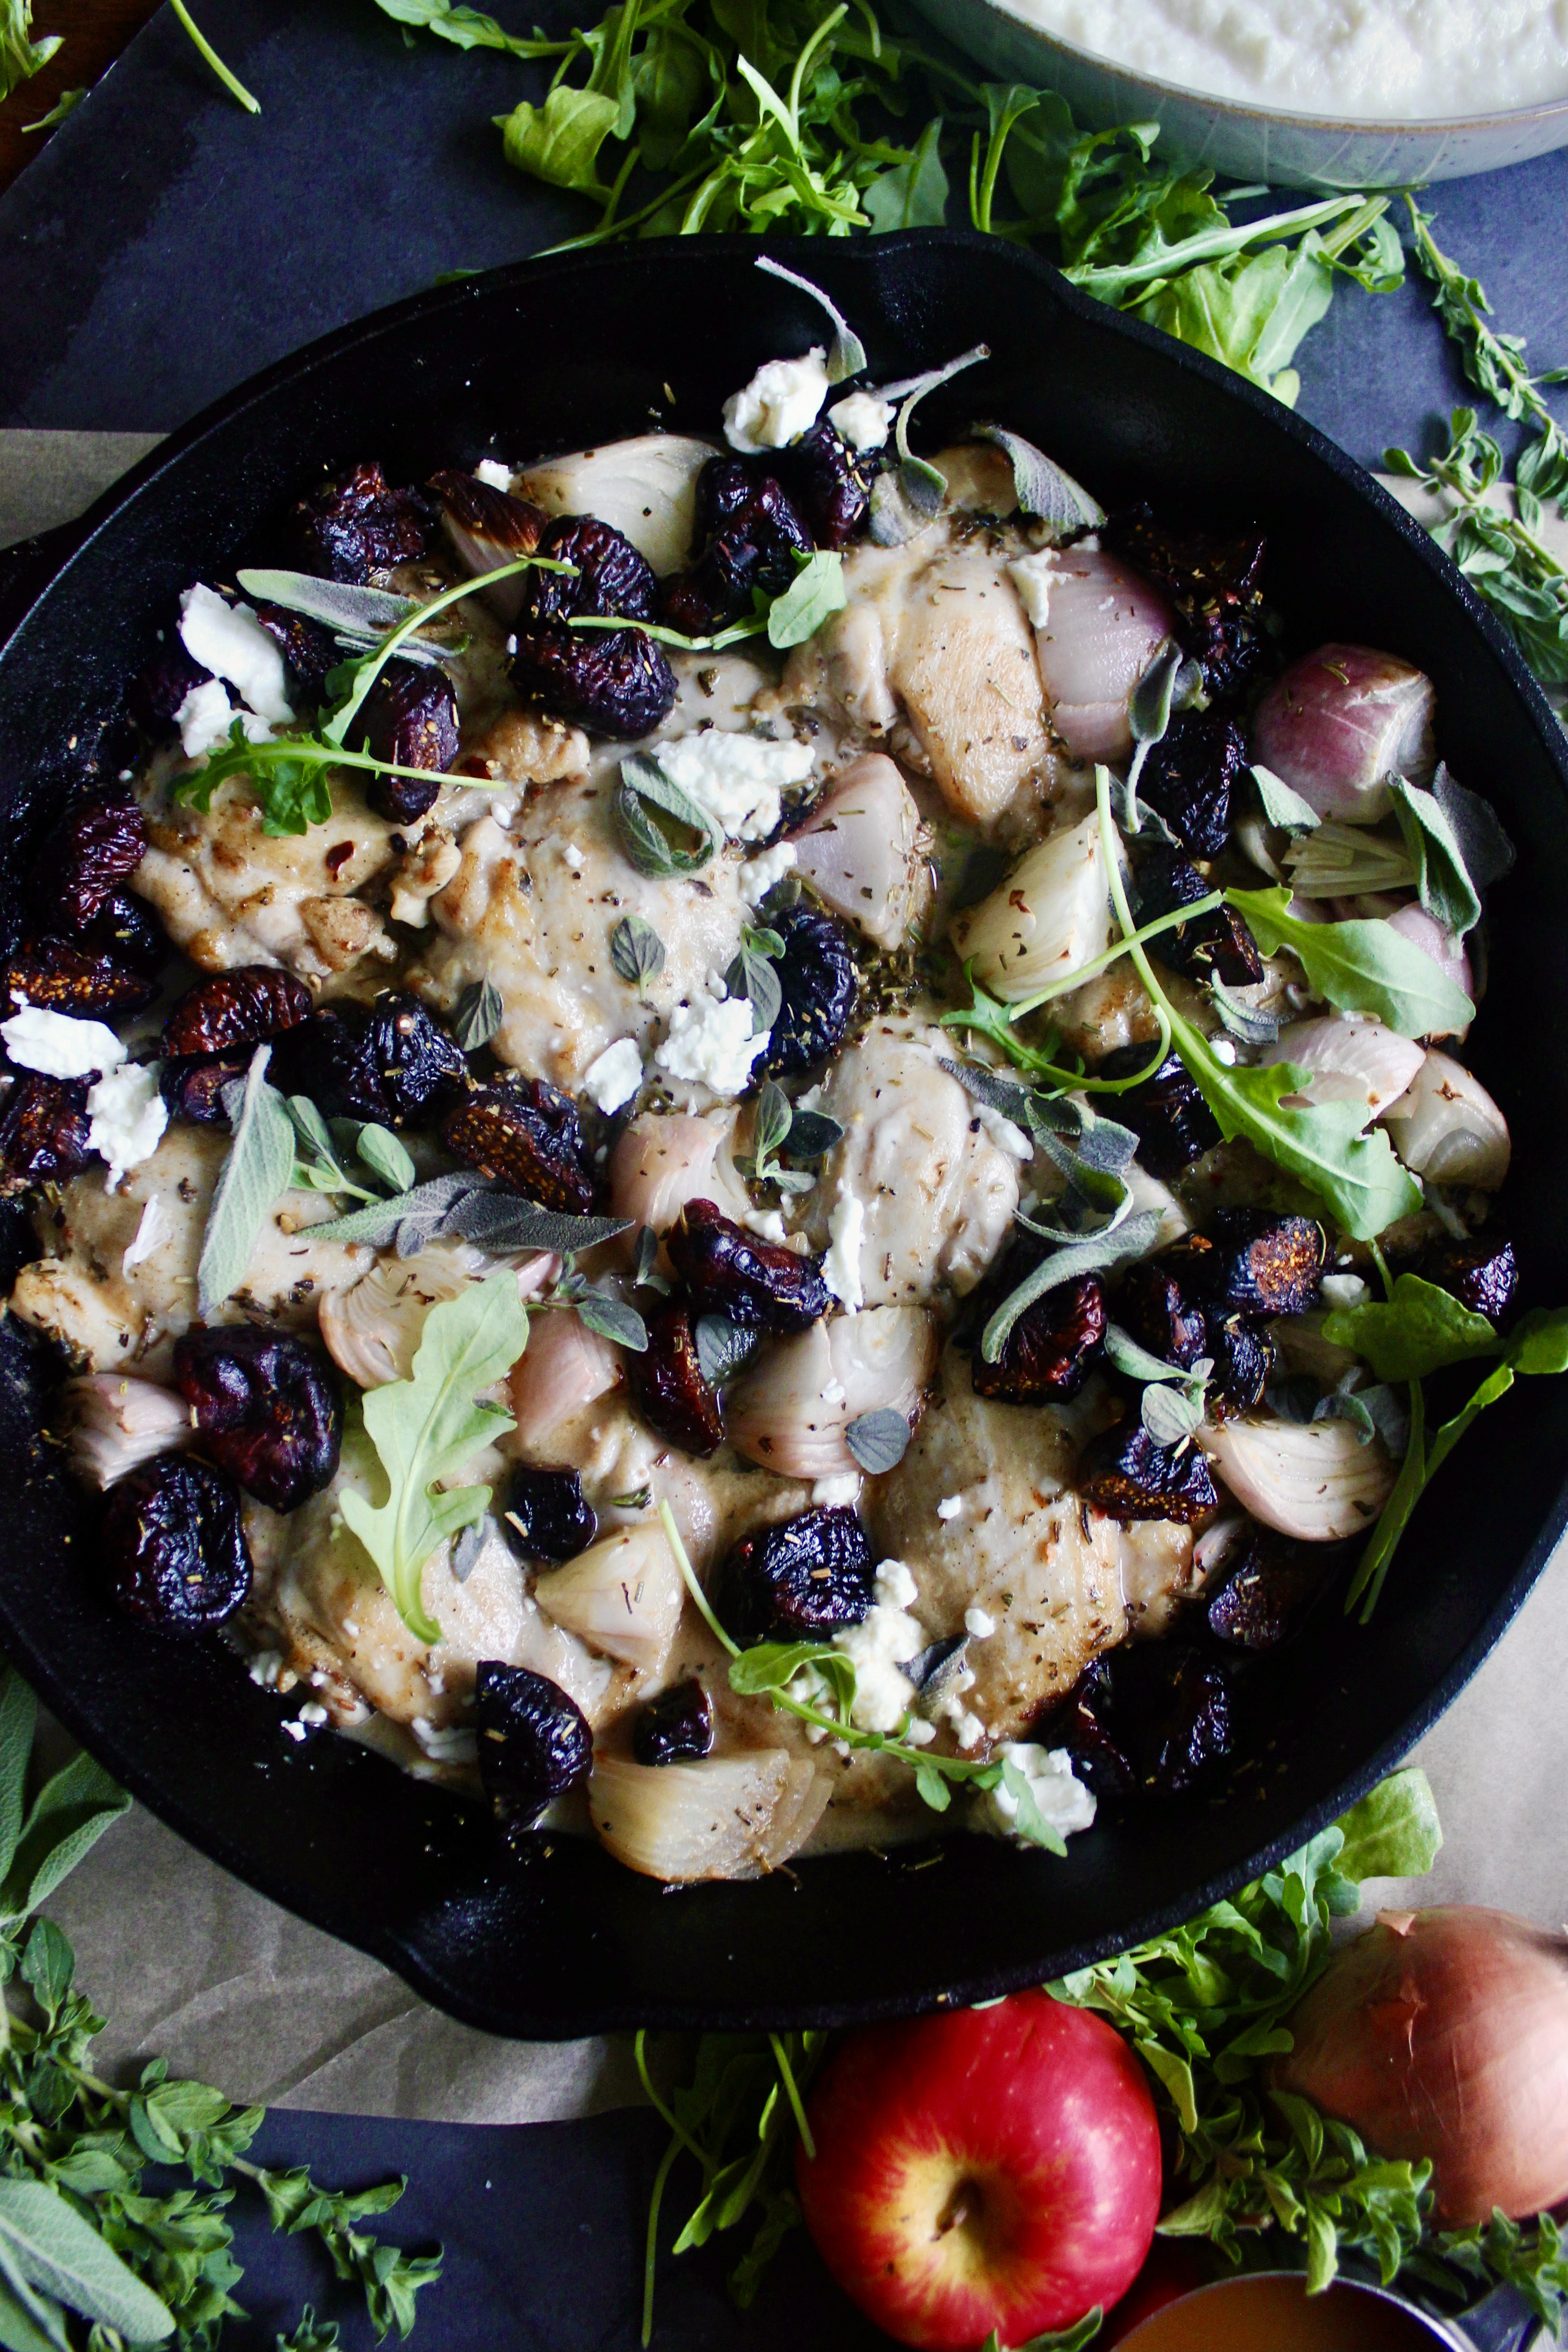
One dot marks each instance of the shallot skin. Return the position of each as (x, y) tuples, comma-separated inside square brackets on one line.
[(1443, 2034)]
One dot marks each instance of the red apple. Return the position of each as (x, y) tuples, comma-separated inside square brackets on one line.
[(999, 2168)]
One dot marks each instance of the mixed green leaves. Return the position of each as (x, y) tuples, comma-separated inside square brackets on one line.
[(1360, 967), (83, 2232), (21, 56), (255, 1174), (662, 830), (427, 1428), (779, 1125), (686, 116)]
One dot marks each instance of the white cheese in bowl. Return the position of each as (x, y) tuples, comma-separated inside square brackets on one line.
[(1392, 61)]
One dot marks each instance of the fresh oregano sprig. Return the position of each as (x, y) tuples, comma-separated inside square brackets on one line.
[(148, 2263)]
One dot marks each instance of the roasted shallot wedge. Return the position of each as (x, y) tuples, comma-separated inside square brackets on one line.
[(1098, 625), (727, 1817), (1339, 722), (621, 1596), (862, 852), (1050, 916), (1357, 1060), (666, 1158), (565, 1368), (1313, 1479), (789, 1412), (1447, 1128), (116, 1423), (644, 488), (488, 527), (372, 1331)]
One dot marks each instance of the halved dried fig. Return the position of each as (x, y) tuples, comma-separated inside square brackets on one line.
[(819, 981), (1153, 1719), (357, 523), (44, 1130), (1123, 1472), (1167, 1113), (1054, 1344), (52, 973), (527, 1136), (268, 1411), (676, 1728), (1269, 1586), (1482, 1273), (242, 1007), (174, 1547), (82, 861), (668, 1387), (759, 1285), (386, 1064), (534, 1741)]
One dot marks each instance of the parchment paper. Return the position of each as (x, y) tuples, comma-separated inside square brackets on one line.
[(187, 1962)]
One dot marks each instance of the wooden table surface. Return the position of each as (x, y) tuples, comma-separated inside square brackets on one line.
[(95, 32)]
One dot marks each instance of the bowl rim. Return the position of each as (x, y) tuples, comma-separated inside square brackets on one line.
[(391, 1946), (1240, 110)]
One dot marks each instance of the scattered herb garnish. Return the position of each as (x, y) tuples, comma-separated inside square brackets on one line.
[(754, 974), (289, 772), (1361, 966), (1501, 555), (430, 1427), (480, 1012), (777, 1123), (257, 1173), (636, 951), (724, 1348), (662, 830), (83, 2229)]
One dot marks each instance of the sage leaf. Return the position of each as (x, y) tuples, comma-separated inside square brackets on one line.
[(723, 1348), (18, 1721), (1282, 807), (55, 2250), (636, 951), (1443, 883), (848, 356), (429, 1427), (1137, 1361), (1044, 489), (337, 604), (1169, 684), (28, 2322), (502, 1223), (1249, 1024), (1135, 1237), (662, 830), (480, 1012), (878, 1440), (613, 1319), (1169, 1415), (816, 593), (419, 1212), (1360, 967), (48, 1965), (990, 1088), (253, 1180), (908, 496), (386, 1157)]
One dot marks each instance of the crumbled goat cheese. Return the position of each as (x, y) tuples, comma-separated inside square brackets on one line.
[(128, 1117), (1031, 575), (841, 1265), (1003, 1133), (1223, 1049), (834, 1394), (295, 1728), (1344, 1289), (230, 641), (616, 1075), (205, 717), (712, 1041), (888, 1638), (493, 473), (768, 1225), (759, 875), (837, 1493), (265, 1667), (313, 1713), (920, 1734), (156, 1227), (811, 1099), (58, 1046), (736, 779), (864, 420), (980, 1622), (967, 1730), (573, 857), (1059, 1796), (782, 401), (949, 1506)]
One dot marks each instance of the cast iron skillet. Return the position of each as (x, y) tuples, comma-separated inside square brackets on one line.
[(559, 354)]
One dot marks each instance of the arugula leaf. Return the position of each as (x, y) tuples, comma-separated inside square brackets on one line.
[(21, 56), (1417, 1330), (1394, 1831), (67, 103), (1361, 967), (913, 194), (254, 1178), (466, 28), (428, 1428), (560, 140)]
